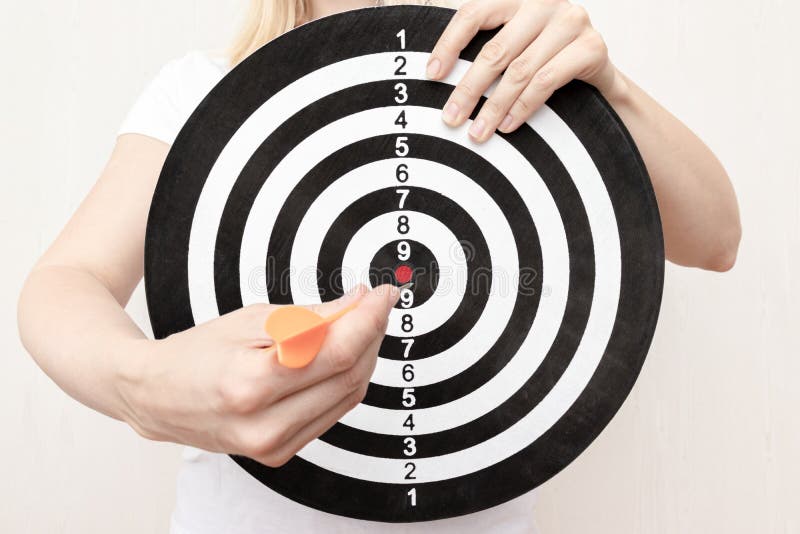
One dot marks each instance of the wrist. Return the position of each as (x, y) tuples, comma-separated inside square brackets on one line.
[(131, 382), (619, 90)]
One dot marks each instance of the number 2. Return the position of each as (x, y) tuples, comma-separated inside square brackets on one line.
[(411, 468), (402, 63)]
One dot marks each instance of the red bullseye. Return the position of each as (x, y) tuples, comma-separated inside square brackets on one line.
[(403, 274)]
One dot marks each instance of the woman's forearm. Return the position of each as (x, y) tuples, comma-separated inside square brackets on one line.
[(80, 335), (699, 212)]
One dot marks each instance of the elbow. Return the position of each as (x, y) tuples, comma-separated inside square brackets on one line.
[(722, 262), (723, 257), (22, 318)]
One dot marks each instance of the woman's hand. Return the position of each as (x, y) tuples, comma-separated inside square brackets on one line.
[(218, 386), (543, 45)]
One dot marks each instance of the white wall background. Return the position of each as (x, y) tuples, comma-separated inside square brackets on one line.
[(708, 440)]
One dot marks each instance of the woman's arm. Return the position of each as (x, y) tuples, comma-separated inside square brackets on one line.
[(699, 212), (214, 385), (70, 312), (542, 46)]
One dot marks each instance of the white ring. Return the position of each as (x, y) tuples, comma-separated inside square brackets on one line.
[(424, 229)]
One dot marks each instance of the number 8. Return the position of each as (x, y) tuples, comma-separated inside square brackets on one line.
[(402, 224)]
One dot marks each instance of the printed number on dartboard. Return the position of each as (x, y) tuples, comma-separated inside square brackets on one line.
[(404, 256)]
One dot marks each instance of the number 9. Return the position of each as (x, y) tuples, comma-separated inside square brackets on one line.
[(403, 250), (406, 298)]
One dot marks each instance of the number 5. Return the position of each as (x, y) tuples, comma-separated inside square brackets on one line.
[(409, 399), (401, 146)]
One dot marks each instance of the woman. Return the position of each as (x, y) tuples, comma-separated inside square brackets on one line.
[(212, 387)]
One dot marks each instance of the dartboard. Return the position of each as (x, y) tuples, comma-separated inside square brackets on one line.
[(535, 259)]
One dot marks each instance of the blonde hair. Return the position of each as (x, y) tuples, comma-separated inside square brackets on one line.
[(267, 19)]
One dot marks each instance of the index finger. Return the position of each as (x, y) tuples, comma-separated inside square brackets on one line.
[(470, 18), (345, 343)]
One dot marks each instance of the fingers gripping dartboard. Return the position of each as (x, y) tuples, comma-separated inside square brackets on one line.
[(536, 259)]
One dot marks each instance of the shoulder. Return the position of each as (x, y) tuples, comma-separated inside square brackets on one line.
[(195, 65), (188, 79), (173, 93)]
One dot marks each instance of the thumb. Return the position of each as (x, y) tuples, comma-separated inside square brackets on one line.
[(369, 319), (327, 308)]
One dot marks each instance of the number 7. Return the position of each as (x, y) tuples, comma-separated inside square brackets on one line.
[(407, 342), (403, 196)]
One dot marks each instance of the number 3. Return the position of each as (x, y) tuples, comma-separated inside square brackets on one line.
[(402, 93)]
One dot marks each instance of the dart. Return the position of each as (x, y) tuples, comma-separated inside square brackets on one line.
[(298, 332)]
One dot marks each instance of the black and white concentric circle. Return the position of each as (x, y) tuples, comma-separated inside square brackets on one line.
[(538, 254)]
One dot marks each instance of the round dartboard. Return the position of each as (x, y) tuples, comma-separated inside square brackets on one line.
[(535, 259)]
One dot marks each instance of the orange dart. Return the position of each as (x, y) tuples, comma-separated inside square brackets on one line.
[(298, 332)]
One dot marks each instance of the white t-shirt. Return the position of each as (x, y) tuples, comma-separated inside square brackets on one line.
[(214, 494)]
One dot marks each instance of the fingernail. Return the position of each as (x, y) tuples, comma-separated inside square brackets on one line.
[(477, 127), (450, 112), (394, 292), (506, 124), (433, 68)]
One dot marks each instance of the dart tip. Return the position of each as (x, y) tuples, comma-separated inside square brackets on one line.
[(406, 286)]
